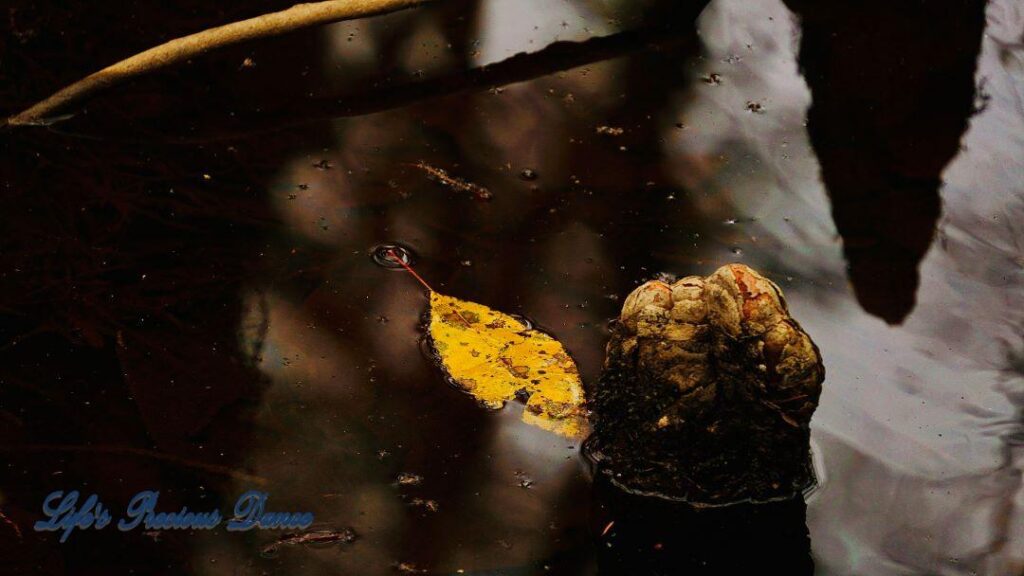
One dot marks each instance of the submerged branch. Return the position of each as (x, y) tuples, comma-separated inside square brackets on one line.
[(54, 108)]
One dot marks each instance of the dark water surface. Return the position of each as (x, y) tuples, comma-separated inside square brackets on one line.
[(189, 301)]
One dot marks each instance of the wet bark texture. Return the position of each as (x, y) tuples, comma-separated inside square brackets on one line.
[(708, 389)]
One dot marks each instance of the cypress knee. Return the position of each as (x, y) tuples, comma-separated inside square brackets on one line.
[(707, 392)]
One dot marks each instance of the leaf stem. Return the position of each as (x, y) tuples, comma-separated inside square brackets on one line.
[(394, 256)]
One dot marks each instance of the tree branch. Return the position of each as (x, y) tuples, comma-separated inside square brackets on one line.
[(54, 108), (556, 57)]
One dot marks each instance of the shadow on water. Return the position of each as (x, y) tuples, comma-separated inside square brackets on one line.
[(890, 101), (121, 310), (641, 536)]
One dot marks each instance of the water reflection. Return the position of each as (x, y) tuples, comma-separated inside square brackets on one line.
[(891, 100), (640, 536), (917, 424), (234, 320)]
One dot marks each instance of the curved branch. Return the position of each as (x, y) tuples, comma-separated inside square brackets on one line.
[(181, 49)]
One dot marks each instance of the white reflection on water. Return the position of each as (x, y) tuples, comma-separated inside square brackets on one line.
[(919, 423)]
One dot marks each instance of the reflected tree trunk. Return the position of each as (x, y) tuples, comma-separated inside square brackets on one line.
[(891, 99)]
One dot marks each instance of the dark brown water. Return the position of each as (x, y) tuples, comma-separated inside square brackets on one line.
[(189, 302)]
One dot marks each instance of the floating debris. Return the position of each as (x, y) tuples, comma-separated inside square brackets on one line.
[(755, 107), (712, 79), (610, 131), (409, 479), (428, 505), (981, 96), (733, 221), (409, 568), (607, 528), (323, 537), (523, 480), (11, 524), (322, 165), (458, 184), (494, 356)]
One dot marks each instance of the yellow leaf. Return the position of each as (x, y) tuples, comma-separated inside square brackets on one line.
[(494, 357)]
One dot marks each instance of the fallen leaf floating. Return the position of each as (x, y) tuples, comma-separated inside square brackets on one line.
[(496, 357)]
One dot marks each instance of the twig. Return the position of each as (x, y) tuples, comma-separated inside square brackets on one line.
[(182, 49), (458, 184), (12, 524), (133, 451)]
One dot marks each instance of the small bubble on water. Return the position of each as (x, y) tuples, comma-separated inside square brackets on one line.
[(384, 255), (528, 174), (737, 251)]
